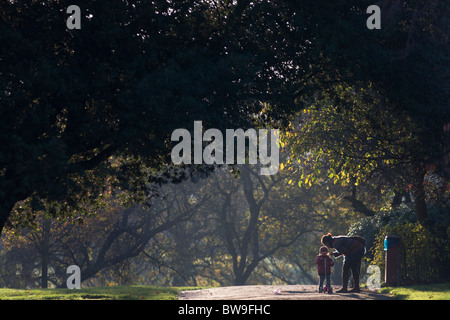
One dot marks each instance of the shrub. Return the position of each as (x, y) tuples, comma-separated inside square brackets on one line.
[(418, 252), (424, 250)]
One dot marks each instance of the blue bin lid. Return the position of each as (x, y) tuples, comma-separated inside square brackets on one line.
[(390, 241)]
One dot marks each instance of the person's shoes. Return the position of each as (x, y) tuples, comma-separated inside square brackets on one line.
[(355, 290), (330, 290), (320, 290), (343, 290)]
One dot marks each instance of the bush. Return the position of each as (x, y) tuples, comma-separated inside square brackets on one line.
[(369, 227), (418, 252), (424, 250)]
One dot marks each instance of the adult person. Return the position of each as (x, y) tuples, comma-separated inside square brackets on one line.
[(353, 249)]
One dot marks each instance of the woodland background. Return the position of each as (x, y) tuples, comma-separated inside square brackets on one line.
[(86, 117)]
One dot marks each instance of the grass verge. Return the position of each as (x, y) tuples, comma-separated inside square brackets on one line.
[(103, 293), (439, 291)]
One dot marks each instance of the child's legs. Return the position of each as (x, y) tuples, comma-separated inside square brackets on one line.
[(321, 279), (328, 280)]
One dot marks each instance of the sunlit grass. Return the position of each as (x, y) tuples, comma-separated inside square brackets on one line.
[(103, 293), (420, 292)]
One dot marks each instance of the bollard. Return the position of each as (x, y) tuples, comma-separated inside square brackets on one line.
[(392, 260)]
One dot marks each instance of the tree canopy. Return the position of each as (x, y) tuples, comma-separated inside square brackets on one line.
[(85, 111), (81, 105), (400, 70)]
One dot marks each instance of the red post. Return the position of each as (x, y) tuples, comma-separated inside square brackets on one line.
[(392, 261)]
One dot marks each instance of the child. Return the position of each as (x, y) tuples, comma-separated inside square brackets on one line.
[(324, 264)]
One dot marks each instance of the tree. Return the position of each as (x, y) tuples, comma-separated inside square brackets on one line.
[(75, 101), (255, 218), (361, 142), (109, 238), (366, 145), (403, 69)]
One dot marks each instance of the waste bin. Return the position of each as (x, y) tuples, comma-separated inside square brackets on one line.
[(392, 260)]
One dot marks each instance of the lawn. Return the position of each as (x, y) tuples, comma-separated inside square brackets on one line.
[(105, 293), (420, 292)]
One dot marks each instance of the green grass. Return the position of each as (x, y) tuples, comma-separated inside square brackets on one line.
[(420, 292), (104, 293)]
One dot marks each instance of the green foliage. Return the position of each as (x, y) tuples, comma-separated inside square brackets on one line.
[(77, 106), (353, 133), (369, 227), (417, 252), (424, 250), (373, 120)]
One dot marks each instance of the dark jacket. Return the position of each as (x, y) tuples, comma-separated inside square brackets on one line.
[(348, 245), (324, 264)]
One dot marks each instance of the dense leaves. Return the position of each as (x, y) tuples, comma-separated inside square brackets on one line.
[(120, 85)]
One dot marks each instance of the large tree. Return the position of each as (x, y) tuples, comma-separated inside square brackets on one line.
[(106, 240), (402, 68), (136, 70), (79, 106)]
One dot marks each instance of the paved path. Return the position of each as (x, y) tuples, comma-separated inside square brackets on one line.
[(287, 292)]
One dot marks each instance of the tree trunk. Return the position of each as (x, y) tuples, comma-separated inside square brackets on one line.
[(239, 280), (419, 196), (45, 252)]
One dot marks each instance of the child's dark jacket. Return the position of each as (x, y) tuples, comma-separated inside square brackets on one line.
[(324, 264)]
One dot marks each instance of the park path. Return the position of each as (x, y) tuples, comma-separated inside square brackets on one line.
[(286, 292)]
